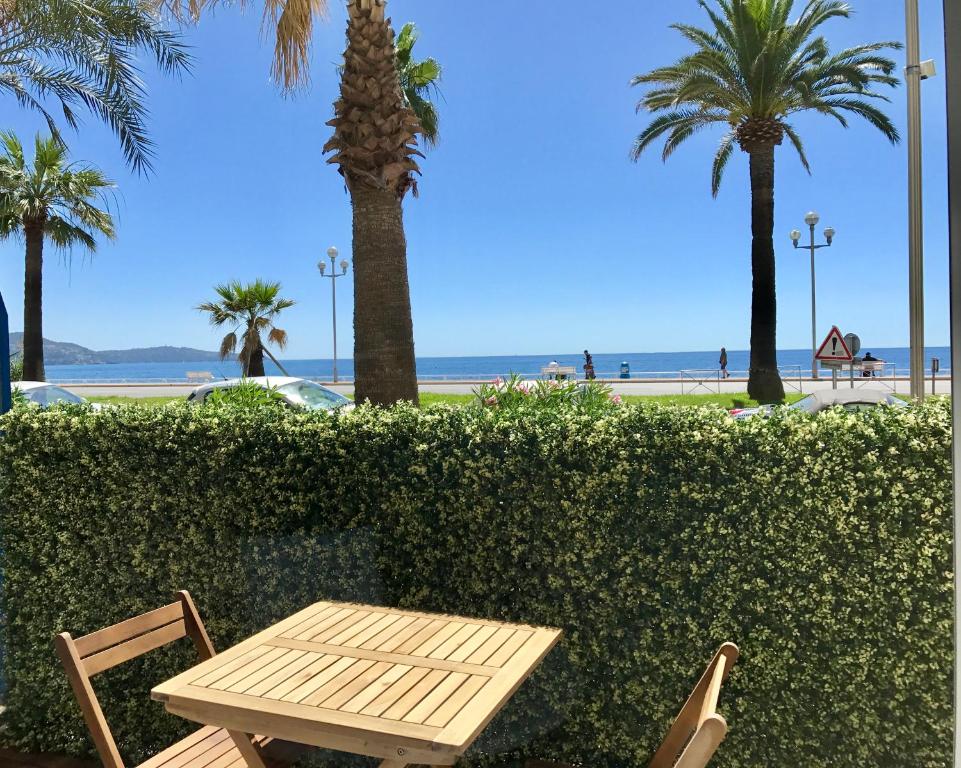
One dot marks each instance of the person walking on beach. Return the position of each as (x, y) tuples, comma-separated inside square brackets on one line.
[(589, 373), (723, 363)]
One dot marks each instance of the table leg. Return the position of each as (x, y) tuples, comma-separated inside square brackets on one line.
[(247, 749)]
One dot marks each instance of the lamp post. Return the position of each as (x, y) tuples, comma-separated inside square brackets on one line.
[(332, 254), (915, 71), (812, 220)]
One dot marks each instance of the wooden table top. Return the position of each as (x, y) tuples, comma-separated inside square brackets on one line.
[(389, 683)]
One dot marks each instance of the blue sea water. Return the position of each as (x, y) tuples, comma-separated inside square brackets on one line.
[(794, 362)]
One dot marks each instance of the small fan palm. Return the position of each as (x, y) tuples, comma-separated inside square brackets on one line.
[(83, 53), (419, 81), (52, 200), (251, 309), (750, 72)]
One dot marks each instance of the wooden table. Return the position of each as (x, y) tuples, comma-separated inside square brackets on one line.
[(402, 686)]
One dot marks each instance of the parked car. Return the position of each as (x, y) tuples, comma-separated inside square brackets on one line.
[(42, 394), (297, 393), (849, 399)]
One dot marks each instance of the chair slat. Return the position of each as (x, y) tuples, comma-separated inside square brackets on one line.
[(118, 654), (127, 630)]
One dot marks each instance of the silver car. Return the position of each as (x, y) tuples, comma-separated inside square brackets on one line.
[(297, 393), (849, 399), (42, 394)]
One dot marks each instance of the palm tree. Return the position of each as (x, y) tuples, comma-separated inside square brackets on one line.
[(750, 72), (83, 53), (374, 145), (251, 309), (418, 81), (50, 200)]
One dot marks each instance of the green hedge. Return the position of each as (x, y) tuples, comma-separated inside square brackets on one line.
[(649, 534)]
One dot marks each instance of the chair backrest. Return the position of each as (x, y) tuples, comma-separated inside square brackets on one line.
[(99, 651), (698, 729)]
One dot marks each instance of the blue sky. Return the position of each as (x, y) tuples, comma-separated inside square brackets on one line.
[(534, 233)]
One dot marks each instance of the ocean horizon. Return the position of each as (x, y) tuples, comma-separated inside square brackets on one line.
[(794, 362)]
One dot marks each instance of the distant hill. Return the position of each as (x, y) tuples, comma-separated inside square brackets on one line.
[(65, 353)]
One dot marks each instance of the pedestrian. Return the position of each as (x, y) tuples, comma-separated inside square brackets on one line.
[(589, 373), (723, 363)]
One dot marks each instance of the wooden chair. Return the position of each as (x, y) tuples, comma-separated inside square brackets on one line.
[(698, 729), (92, 654)]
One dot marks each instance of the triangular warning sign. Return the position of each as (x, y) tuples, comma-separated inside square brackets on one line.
[(834, 349)]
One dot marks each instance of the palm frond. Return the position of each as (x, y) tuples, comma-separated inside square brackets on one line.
[(798, 145), (228, 346), (724, 152)]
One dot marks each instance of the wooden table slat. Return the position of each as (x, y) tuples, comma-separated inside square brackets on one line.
[(436, 697), (476, 641), (356, 668), (360, 683), (399, 709), (341, 626), (491, 645), (457, 701), (278, 677), (318, 624), (415, 641), (355, 629), (394, 630), (318, 681), (425, 649), (375, 688), (304, 676), (389, 697), (312, 621), (251, 667)]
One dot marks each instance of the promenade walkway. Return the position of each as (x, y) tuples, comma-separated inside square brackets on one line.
[(622, 387)]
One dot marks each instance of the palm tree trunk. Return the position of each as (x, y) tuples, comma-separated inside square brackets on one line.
[(255, 362), (764, 384), (33, 304), (384, 367)]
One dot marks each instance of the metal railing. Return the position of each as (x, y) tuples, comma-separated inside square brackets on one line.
[(708, 380)]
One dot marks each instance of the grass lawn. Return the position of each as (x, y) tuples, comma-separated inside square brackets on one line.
[(731, 400)]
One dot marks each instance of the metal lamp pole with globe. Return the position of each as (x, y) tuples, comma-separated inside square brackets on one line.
[(812, 220), (333, 276)]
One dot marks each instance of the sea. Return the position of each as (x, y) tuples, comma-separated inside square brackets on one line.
[(641, 365)]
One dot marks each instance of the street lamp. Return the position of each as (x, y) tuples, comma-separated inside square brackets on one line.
[(332, 254), (812, 220)]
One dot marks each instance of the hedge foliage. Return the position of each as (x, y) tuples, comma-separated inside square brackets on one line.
[(649, 534)]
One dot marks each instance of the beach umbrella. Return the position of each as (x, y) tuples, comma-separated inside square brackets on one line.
[(952, 31)]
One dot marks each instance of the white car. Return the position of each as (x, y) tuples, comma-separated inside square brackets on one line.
[(849, 399), (42, 394), (297, 393)]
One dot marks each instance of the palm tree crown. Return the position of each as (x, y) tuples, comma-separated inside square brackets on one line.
[(82, 53), (418, 81), (57, 196), (251, 309), (54, 200), (754, 69)]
